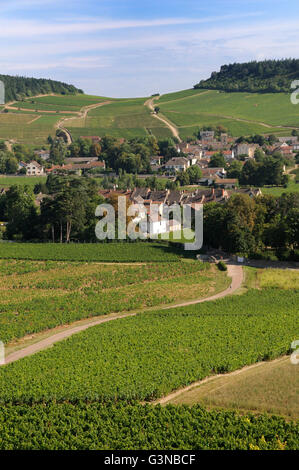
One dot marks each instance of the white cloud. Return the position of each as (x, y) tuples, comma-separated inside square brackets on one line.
[(23, 28)]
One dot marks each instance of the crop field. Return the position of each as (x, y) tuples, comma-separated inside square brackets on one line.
[(27, 128), (240, 113), (120, 426), (271, 387), (36, 296), (100, 252), (272, 108), (6, 181), (292, 187), (194, 108), (59, 102), (149, 355), (122, 118), (81, 393)]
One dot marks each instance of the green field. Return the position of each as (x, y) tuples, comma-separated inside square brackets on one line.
[(128, 118), (6, 181), (120, 426), (28, 128), (292, 187), (195, 108), (60, 102), (82, 392), (99, 252), (149, 355), (36, 296), (122, 118)]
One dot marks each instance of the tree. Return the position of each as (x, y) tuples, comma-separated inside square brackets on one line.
[(235, 170), (194, 173), (20, 213), (58, 151), (217, 161)]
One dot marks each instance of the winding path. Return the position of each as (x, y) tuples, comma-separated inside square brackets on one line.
[(150, 104), (82, 114), (234, 271)]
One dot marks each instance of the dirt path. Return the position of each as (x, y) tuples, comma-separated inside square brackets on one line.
[(81, 115), (150, 104), (235, 272), (177, 393), (33, 120)]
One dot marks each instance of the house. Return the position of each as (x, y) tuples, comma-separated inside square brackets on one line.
[(76, 167), (213, 173), (288, 140), (156, 160), (83, 167), (34, 169), (224, 139), (177, 164), (203, 163), (251, 192), (285, 149), (81, 159), (228, 154), (226, 182), (22, 165), (207, 136), (246, 149)]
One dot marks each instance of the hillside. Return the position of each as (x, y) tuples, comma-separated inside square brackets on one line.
[(17, 88), (32, 119), (268, 76)]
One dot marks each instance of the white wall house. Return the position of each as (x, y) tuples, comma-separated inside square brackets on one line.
[(177, 164), (34, 169)]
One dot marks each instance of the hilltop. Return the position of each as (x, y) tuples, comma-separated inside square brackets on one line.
[(268, 76), (17, 88)]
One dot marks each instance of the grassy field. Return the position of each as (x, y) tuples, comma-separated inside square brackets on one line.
[(195, 108), (6, 181), (99, 252), (123, 118), (149, 355), (127, 118), (28, 128), (292, 187), (36, 296), (271, 387), (60, 102), (121, 426), (80, 393)]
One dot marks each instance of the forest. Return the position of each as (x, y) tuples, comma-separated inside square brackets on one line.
[(268, 76), (17, 88)]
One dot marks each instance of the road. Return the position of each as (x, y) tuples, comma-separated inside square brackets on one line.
[(234, 271), (150, 104)]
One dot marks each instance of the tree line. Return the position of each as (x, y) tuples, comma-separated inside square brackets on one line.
[(241, 225), (17, 88), (268, 76), (249, 226)]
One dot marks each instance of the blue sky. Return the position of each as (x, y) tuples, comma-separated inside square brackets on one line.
[(136, 48)]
